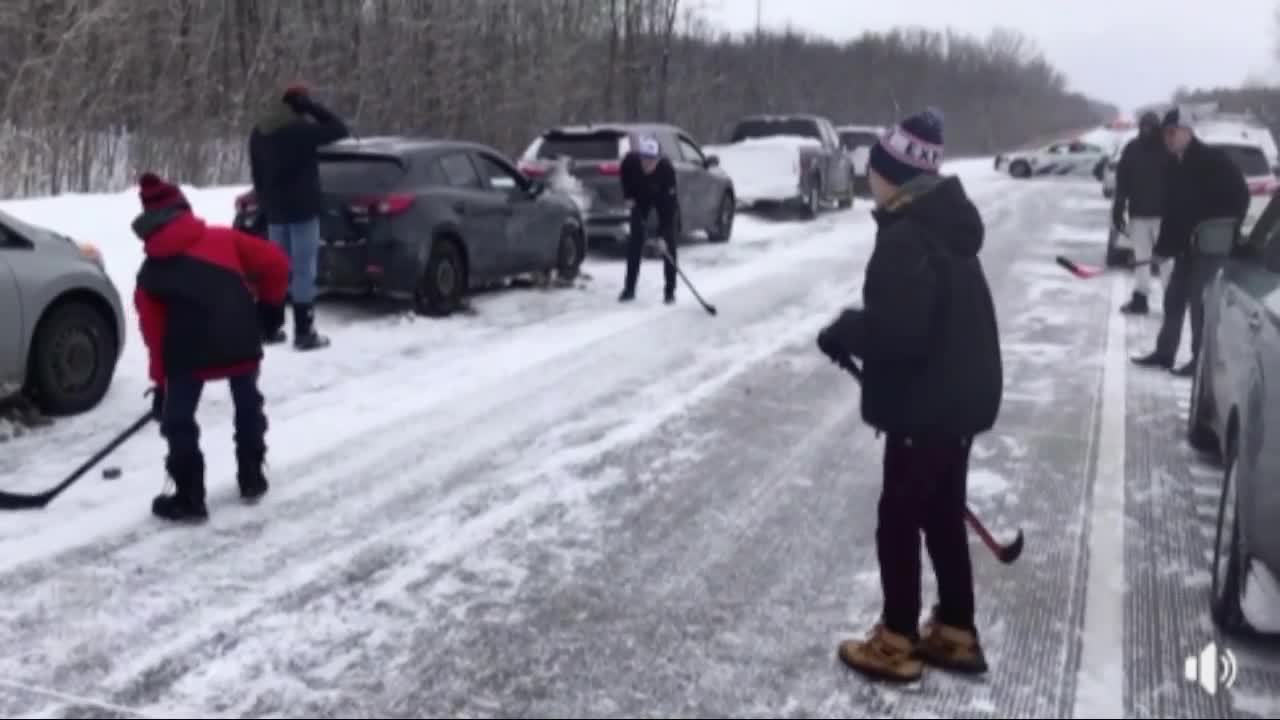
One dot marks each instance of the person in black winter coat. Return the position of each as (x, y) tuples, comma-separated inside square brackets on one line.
[(932, 379), (1203, 184), (1139, 202), (649, 183), (286, 182)]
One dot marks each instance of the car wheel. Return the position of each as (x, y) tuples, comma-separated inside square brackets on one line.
[(1228, 557), (1020, 169), (571, 252), (813, 199), (1199, 435), (444, 280), (723, 229), (847, 201), (73, 359), (1100, 170)]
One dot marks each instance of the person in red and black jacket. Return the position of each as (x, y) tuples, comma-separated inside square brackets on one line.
[(206, 296)]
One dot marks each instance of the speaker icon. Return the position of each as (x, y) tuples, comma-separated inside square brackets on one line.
[(1212, 668)]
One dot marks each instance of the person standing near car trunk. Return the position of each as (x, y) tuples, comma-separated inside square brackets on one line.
[(286, 181), (649, 184), (1204, 184), (931, 381), (1139, 201)]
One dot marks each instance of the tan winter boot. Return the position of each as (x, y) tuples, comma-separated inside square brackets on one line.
[(947, 647), (884, 655)]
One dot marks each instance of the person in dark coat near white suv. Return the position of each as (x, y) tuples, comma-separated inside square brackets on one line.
[(1139, 202)]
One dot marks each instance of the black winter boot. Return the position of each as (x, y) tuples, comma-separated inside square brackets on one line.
[(1137, 305), (250, 475), (186, 503), (305, 336)]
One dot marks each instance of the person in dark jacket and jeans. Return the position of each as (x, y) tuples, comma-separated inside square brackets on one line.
[(205, 297), (932, 379), (1203, 184), (286, 181), (649, 183), (1139, 202)]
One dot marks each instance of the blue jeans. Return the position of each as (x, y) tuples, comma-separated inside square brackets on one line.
[(301, 242)]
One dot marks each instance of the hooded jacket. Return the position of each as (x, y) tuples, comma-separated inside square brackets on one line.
[(197, 295), (927, 333), (1140, 175), (282, 160)]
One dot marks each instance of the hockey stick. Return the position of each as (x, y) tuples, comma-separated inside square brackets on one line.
[(711, 309), (1091, 271), (18, 501), (1004, 553)]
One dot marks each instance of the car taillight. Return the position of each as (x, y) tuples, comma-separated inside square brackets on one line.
[(247, 203), (610, 168), (533, 170), (1263, 187), (392, 204)]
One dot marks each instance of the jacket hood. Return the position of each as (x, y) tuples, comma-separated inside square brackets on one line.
[(941, 204), (169, 231)]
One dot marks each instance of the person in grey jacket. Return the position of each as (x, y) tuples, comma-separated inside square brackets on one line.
[(1139, 200)]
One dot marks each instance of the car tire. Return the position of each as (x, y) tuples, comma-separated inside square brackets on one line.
[(1199, 435), (1020, 169), (723, 228), (443, 283), (1229, 561), (1100, 170), (73, 359), (570, 252), (846, 202), (813, 199)]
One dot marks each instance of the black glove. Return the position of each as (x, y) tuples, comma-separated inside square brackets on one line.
[(1117, 218), (298, 100), (157, 403), (270, 319), (829, 346)]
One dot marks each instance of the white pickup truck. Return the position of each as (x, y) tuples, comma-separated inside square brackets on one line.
[(787, 160)]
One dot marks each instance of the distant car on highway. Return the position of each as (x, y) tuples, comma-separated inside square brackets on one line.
[(1235, 414), (857, 141), (430, 219), (592, 155), (62, 326), (1070, 158)]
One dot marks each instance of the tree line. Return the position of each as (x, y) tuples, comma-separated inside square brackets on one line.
[(95, 90)]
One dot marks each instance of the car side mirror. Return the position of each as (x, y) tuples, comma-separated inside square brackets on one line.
[(711, 161)]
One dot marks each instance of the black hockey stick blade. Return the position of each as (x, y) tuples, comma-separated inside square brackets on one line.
[(711, 309), (20, 501)]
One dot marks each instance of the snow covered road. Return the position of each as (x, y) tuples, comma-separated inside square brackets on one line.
[(564, 506)]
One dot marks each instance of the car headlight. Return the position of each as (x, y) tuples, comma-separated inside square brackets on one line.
[(90, 252)]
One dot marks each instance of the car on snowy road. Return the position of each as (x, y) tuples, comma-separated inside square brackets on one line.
[(857, 141), (1235, 414), (586, 160), (429, 220), (62, 326), (1071, 158)]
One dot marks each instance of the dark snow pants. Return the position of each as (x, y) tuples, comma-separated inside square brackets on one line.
[(639, 235), (1191, 276), (182, 432), (925, 482)]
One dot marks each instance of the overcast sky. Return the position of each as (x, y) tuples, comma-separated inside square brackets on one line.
[(1126, 52)]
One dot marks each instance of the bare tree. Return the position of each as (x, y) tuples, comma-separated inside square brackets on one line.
[(93, 91)]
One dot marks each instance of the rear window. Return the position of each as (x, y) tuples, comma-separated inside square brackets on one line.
[(593, 146), (1249, 159), (359, 174), (762, 128), (857, 138)]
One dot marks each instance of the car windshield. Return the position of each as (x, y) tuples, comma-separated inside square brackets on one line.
[(360, 174), (1249, 159), (851, 139), (764, 128), (581, 146)]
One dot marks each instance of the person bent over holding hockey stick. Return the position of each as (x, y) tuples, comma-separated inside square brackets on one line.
[(196, 306), (932, 379), (649, 182)]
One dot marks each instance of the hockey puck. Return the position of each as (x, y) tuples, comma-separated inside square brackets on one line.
[(111, 473)]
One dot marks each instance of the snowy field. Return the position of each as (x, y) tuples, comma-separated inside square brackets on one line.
[(561, 505)]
